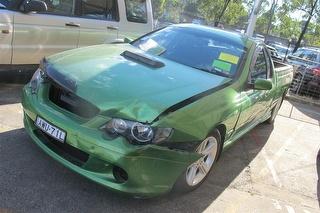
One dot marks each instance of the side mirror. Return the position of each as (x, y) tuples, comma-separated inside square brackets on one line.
[(262, 84), (121, 41), (34, 6), (127, 40)]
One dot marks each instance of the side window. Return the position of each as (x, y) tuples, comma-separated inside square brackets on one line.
[(269, 63), (100, 9), (60, 7), (136, 11), (259, 70), (312, 56), (299, 53)]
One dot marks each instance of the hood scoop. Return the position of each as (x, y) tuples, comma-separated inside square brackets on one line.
[(142, 59)]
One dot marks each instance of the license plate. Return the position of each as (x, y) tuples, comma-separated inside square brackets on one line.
[(51, 130)]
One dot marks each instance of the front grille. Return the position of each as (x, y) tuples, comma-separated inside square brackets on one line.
[(71, 102), (69, 153)]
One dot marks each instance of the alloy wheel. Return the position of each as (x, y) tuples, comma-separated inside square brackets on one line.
[(197, 171)]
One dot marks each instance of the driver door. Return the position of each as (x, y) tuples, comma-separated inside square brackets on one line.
[(99, 20), (254, 101)]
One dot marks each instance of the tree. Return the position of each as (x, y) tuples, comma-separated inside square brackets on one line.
[(263, 15), (284, 25), (169, 10), (158, 7), (311, 10), (262, 23), (223, 10), (226, 11), (235, 15), (312, 36), (287, 27), (271, 16)]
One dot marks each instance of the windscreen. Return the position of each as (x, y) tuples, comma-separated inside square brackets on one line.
[(207, 51)]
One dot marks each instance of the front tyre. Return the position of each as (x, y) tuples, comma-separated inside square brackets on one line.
[(274, 111), (198, 171)]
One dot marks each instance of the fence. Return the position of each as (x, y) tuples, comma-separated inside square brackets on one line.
[(306, 84)]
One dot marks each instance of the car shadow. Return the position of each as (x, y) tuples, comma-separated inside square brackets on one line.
[(10, 93), (309, 110), (16, 77), (32, 181)]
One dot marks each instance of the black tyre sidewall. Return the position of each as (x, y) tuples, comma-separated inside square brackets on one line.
[(275, 109)]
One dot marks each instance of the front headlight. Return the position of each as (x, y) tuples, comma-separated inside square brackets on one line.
[(38, 77), (35, 81), (135, 132)]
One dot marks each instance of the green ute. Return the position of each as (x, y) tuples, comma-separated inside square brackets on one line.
[(153, 115)]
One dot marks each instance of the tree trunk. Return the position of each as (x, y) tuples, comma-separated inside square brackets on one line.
[(272, 10), (225, 6), (304, 30)]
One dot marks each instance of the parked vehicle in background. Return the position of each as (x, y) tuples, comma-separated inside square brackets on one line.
[(274, 53), (281, 50), (32, 29), (305, 57), (154, 114), (259, 37), (306, 62)]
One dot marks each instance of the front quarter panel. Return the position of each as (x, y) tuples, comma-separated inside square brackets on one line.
[(195, 121)]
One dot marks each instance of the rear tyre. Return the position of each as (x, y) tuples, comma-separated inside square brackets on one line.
[(197, 172)]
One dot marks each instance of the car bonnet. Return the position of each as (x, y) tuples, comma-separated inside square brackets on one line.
[(124, 88)]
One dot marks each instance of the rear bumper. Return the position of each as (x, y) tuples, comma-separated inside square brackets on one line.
[(151, 170)]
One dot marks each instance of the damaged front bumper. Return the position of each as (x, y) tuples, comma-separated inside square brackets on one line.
[(140, 170)]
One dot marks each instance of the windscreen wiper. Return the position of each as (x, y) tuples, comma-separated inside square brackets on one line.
[(143, 59)]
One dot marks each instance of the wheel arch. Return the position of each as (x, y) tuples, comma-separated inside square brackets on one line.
[(222, 130)]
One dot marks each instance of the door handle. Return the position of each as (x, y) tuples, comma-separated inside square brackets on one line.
[(71, 24), (5, 31), (112, 28)]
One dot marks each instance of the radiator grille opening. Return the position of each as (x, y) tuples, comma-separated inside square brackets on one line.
[(71, 102)]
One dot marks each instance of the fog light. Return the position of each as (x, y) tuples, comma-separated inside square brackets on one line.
[(119, 174)]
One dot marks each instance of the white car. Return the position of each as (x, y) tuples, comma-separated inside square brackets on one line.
[(32, 29)]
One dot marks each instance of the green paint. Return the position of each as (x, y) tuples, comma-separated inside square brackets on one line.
[(221, 65)]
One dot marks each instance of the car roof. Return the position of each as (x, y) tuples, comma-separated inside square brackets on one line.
[(271, 48), (279, 46), (310, 48)]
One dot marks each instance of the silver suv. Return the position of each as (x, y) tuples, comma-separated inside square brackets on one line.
[(32, 29)]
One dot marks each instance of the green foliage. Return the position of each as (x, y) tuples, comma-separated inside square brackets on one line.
[(171, 10), (236, 13), (262, 23), (157, 7), (214, 11), (288, 27)]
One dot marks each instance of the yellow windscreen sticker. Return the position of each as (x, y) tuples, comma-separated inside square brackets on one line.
[(229, 58)]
